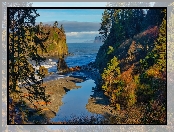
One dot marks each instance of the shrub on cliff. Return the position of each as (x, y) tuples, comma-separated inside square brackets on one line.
[(112, 86)]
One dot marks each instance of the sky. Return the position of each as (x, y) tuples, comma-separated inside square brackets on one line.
[(81, 25)]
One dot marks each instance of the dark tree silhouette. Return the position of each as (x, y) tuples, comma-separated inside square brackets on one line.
[(22, 34)]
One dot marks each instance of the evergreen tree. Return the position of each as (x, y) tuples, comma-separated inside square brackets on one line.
[(62, 28), (105, 25), (21, 50), (154, 17), (110, 73), (55, 25)]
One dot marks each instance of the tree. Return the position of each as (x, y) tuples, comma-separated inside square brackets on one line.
[(22, 34), (105, 25), (154, 17), (160, 44), (62, 28), (55, 25), (110, 74)]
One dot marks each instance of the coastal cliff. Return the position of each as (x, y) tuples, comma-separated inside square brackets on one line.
[(56, 43)]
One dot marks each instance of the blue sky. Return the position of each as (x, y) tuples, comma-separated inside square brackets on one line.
[(79, 15), (80, 25)]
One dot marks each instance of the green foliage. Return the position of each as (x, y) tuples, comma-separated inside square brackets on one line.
[(161, 45), (110, 50), (136, 79), (130, 87), (55, 36), (55, 25), (105, 25), (51, 47), (62, 28), (153, 17), (111, 82), (149, 60), (158, 54), (110, 73), (117, 25)]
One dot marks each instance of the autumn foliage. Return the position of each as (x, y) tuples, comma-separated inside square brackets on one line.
[(134, 71)]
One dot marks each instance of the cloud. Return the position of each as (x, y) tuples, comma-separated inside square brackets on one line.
[(73, 26), (81, 36)]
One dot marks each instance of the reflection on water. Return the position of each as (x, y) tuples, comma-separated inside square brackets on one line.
[(74, 102)]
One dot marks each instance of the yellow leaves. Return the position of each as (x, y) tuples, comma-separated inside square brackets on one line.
[(153, 71), (110, 50), (117, 106), (136, 79)]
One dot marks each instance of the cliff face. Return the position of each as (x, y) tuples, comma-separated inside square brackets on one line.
[(56, 42)]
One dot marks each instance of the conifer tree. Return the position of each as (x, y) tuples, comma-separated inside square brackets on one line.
[(55, 25), (21, 50), (105, 25), (62, 28), (110, 73)]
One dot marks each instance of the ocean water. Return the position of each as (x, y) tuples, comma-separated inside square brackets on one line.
[(82, 53), (74, 102)]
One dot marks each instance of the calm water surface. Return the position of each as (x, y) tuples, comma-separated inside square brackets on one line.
[(75, 102)]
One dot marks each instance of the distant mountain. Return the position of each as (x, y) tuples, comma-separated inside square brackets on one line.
[(98, 39), (89, 41)]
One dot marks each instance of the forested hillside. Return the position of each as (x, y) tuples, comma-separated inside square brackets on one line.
[(132, 60)]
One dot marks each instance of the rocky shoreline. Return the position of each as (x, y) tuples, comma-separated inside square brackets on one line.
[(98, 103)]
